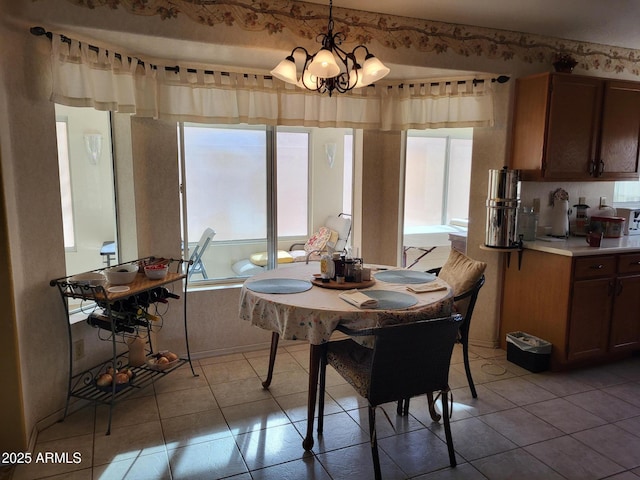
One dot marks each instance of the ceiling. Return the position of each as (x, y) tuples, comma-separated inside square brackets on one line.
[(611, 22)]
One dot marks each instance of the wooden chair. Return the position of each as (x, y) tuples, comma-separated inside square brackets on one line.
[(465, 302), (406, 360)]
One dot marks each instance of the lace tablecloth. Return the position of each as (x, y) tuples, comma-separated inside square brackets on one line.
[(314, 314)]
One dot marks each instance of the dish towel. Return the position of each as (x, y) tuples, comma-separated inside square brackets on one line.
[(359, 299), (427, 287)]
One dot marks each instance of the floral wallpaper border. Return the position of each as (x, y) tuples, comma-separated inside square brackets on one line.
[(306, 20)]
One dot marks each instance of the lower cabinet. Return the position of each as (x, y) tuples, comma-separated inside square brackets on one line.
[(625, 320), (584, 306), (589, 319)]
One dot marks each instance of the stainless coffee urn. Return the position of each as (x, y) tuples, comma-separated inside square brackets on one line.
[(503, 200)]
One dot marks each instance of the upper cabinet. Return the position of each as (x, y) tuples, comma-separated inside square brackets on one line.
[(575, 128)]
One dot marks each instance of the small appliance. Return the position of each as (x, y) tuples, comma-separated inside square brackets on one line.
[(503, 200), (631, 214)]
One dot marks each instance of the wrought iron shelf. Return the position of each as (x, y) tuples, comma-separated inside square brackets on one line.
[(119, 325)]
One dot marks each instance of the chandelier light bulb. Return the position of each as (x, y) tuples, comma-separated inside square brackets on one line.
[(286, 70), (307, 80), (324, 65), (373, 70)]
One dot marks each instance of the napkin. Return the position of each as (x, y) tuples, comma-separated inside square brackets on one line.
[(427, 287), (359, 299)]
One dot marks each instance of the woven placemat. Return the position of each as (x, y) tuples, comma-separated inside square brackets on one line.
[(279, 285), (390, 300), (404, 276)]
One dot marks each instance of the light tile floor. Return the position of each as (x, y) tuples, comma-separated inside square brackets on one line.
[(578, 425)]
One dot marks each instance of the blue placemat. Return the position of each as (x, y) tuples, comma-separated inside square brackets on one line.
[(390, 300), (279, 285), (404, 276)]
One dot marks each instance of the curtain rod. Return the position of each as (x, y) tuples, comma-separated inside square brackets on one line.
[(40, 31)]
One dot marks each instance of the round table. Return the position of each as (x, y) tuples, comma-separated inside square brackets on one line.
[(314, 314)]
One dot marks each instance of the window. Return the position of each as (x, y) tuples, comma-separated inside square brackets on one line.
[(437, 177), (225, 188), (347, 187), (87, 191), (627, 191), (225, 182)]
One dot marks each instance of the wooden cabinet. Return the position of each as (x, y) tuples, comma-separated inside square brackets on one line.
[(592, 296), (576, 128), (625, 322), (584, 306)]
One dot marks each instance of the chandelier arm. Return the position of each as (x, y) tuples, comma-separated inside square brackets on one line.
[(360, 46), (306, 52), (339, 50)]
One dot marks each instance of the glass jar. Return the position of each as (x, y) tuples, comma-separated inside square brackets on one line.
[(527, 224)]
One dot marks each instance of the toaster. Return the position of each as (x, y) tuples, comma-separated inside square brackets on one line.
[(631, 214)]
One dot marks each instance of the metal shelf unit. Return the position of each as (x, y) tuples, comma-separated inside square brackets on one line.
[(123, 315)]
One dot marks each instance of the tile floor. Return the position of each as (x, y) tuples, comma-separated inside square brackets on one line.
[(222, 424)]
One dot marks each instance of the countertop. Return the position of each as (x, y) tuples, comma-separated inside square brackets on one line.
[(577, 246)]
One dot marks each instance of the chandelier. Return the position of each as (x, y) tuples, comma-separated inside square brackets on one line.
[(332, 68)]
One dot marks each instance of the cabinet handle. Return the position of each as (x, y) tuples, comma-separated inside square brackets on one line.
[(619, 289), (601, 168), (631, 264), (592, 168), (597, 267)]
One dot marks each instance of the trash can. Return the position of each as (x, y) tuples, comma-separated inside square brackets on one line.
[(528, 351)]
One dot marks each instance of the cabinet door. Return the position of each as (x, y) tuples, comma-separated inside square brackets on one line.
[(625, 321), (589, 319), (620, 140), (573, 126)]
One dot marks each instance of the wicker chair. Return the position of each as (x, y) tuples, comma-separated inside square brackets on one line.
[(465, 302), (407, 360)]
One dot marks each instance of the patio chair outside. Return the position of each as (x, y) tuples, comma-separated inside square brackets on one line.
[(197, 267)]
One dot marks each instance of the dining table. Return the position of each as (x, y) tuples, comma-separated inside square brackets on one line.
[(293, 303)]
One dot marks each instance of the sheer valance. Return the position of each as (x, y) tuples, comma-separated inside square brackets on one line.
[(104, 80)]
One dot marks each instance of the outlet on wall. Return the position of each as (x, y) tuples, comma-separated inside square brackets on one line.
[(78, 349)]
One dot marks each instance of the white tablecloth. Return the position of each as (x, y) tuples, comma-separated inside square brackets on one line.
[(313, 315)]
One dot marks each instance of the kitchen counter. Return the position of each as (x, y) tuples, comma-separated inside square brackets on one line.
[(577, 246)]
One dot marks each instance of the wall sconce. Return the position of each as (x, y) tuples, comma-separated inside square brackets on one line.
[(330, 150), (93, 146)]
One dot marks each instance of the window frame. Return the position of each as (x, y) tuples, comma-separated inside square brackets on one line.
[(271, 238), (448, 134), (63, 120)]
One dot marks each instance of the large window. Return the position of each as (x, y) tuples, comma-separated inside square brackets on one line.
[(226, 179), (228, 174), (437, 178), (87, 192), (225, 186)]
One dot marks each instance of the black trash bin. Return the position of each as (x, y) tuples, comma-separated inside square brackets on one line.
[(528, 351)]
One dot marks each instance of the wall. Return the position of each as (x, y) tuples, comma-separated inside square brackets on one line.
[(34, 234), (381, 186), (12, 434), (489, 152)]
